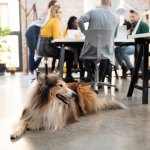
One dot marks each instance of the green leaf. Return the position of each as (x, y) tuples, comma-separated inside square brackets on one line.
[(4, 31)]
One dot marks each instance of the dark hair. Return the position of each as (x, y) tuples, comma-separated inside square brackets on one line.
[(51, 3), (132, 11), (70, 22)]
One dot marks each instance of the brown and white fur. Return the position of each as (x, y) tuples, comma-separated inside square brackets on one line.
[(52, 104)]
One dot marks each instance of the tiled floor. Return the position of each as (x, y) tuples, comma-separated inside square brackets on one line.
[(110, 130)]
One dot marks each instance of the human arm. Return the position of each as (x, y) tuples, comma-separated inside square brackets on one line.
[(83, 19)]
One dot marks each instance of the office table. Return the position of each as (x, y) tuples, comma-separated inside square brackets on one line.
[(79, 43), (142, 43)]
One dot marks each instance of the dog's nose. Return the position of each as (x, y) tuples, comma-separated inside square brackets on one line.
[(73, 95)]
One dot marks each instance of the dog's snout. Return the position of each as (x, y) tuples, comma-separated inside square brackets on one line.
[(73, 95)]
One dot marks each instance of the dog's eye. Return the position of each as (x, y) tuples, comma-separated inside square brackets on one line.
[(60, 85)]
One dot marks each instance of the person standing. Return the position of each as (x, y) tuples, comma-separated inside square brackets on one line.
[(32, 35)]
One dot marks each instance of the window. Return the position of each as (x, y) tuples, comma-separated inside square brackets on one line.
[(9, 17), (4, 15)]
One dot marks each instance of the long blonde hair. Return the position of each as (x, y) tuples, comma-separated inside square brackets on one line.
[(52, 12)]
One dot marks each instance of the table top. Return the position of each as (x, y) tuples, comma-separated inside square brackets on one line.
[(67, 40), (137, 36), (82, 40)]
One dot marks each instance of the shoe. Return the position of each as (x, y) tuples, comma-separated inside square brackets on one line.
[(131, 70), (124, 71)]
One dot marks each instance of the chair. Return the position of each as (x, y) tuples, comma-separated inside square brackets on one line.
[(47, 52), (101, 39)]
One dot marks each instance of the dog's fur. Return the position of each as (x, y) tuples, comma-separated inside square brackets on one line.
[(52, 104)]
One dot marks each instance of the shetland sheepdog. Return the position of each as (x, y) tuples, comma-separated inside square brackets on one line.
[(52, 104)]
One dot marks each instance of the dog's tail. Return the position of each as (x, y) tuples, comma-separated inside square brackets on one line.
[(18, 129), (111, 104)]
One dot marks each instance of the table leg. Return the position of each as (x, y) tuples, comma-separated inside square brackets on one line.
[(145, 74), (62, 58), (135, 72)]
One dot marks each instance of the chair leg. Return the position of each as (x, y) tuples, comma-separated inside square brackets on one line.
[(46, 65), (96, 77)]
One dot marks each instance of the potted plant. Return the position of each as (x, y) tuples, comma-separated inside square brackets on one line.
[(4, 49)]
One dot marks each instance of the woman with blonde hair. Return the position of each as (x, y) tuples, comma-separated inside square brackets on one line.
[(50, 31)]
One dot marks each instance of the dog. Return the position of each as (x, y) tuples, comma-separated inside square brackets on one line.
[(52, 104)]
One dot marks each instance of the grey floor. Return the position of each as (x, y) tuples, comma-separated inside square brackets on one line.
[(108, 130)]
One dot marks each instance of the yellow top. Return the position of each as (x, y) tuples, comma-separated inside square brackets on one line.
[(51, 29)]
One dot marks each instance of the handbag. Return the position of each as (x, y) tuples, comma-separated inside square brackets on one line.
[(46, 49)]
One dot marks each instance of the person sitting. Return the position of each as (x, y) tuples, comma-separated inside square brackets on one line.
[(51, 30), (122, 53), (32, 34), (72, 24), (99, 18)]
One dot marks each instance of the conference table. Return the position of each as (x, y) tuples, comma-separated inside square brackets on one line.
[(78, 43), (142, 42)]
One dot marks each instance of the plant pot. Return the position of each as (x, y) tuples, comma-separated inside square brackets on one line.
[(12, 70), (2, 68)]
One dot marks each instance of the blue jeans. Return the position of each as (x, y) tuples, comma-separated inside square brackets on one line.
[(32, 35), (122, 55)]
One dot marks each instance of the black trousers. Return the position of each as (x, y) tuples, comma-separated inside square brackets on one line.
[(105, 68)]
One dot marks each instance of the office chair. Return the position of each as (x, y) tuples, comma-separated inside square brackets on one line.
[(99, 38), (47, 52)]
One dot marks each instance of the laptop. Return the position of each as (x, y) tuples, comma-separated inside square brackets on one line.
[(75, 34), (121, 33)]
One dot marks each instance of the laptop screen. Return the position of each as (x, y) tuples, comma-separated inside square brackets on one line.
[(122, 33)]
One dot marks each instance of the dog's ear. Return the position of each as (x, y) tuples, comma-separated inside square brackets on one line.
[(41, 77)]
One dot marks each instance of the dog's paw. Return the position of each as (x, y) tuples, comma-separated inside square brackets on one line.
[(15, 135)]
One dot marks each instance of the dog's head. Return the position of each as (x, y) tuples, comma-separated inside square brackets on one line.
[(53, 87)]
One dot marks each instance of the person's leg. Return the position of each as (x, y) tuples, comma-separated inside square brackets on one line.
[(103, 66), (89, 67), (129, 50), (118, 55), (69, 64), (37, 60), (32, 37), (118, 51), (105, 69), (80, 63)]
